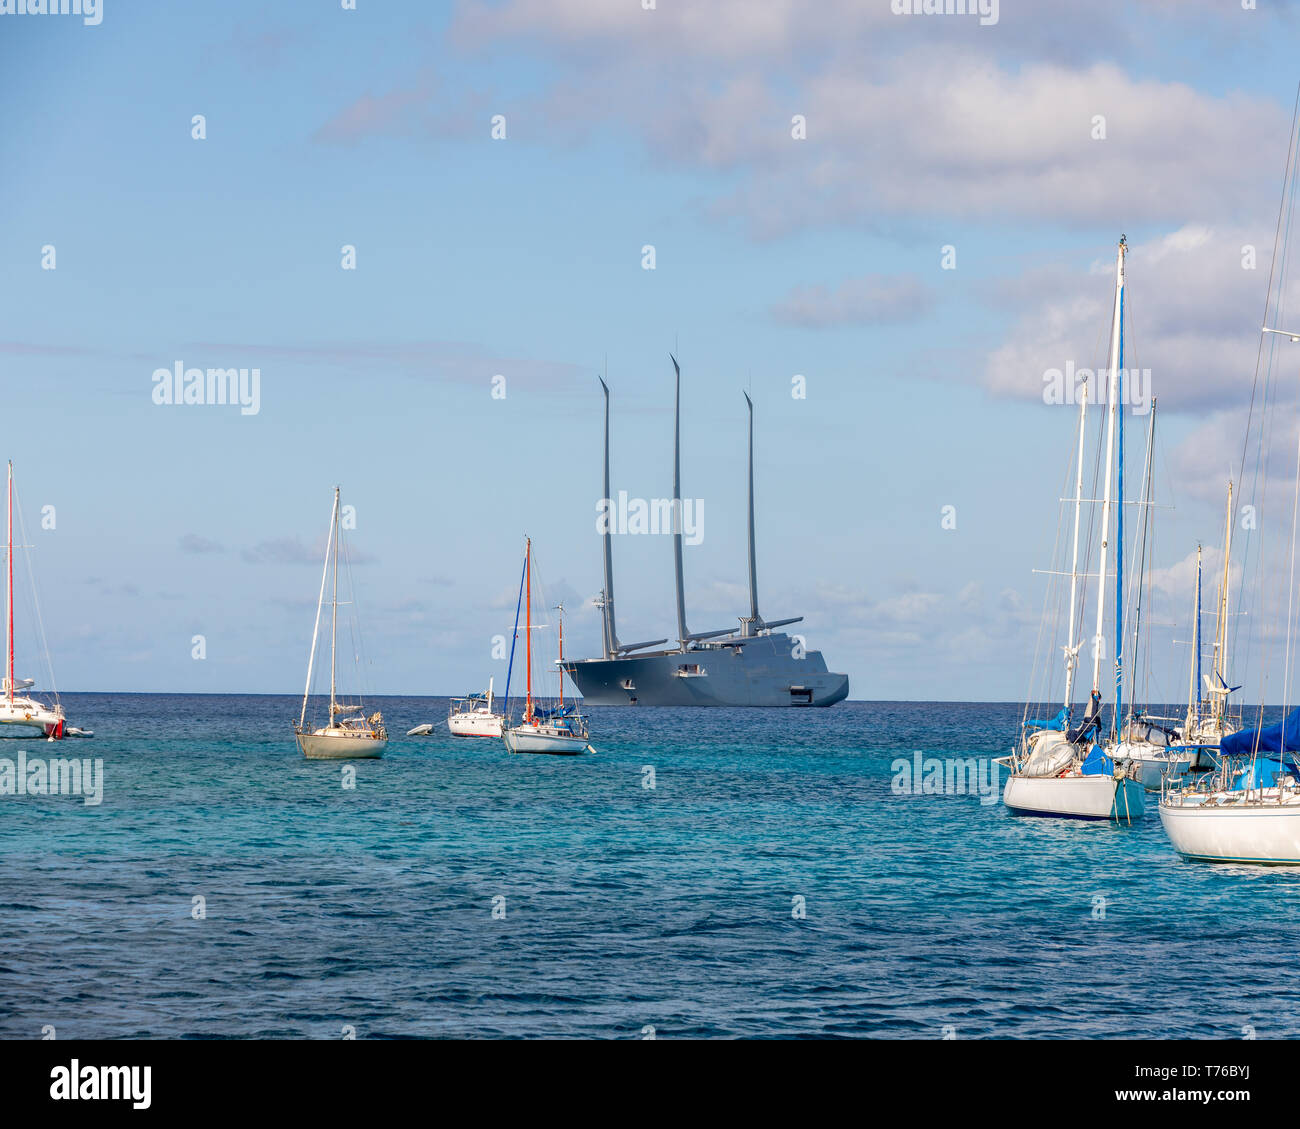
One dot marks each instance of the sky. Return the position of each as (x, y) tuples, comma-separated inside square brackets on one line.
[(885, 227)]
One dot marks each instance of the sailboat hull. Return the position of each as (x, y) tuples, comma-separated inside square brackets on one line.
[(536, 739), (324, 745), (1075, 797), (1262, 833), (32, 717), (1156, 765)]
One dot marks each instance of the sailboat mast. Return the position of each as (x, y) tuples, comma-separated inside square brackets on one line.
[(683, 636), (1193, 694), (9, 593), (1140, 551), (315, 631), (1197, 659), (1112, 405), (560, 610), (752, 626), (334, 627), (1221, 632), (528, 623), (1071, 649), (607, 597)]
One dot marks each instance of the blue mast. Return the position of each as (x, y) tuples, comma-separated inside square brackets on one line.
[(518, 604)]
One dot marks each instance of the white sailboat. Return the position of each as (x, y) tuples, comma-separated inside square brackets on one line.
[(347, 733), (557, 729), (19, 709), (1056, 769), (1247, 809), (473, 716)]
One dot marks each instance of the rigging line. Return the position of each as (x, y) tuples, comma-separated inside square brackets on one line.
[(1286, 670), (1287, 174), (1277, 275)]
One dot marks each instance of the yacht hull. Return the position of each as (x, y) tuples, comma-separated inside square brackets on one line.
[(474, 725), (1155, 764), (31, 717), (339, 746), (1075, 797), (527, 739), (759, 671), (1266, 833)]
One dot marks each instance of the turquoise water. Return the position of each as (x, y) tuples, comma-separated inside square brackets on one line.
[(625, 908)]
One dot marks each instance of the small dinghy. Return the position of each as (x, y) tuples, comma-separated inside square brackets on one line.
[(425, 730)]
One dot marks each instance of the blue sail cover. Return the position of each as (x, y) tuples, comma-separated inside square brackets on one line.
[(1058, 722), (1272, 738)]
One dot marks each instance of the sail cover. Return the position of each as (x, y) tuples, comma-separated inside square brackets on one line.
[(1272, 738)]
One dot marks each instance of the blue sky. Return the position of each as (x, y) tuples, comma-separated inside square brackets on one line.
[(523, 257)]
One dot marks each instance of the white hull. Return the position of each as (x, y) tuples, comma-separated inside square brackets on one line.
[(1155, 764), (1075, 797), (539, 739), (475, 724), (1234, 831), (29, 714), (326, 745)]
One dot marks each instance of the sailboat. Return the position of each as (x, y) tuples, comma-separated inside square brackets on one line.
[(541, 729), (472, 716), (347, 733), (1247, 808), (17, 707), (1058, 769), (1208, 723)]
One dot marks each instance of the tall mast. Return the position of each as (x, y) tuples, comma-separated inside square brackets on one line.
[(752, 624), (1221, 632), (607, 596), (1193, 689), (9, 593), (528, 623), (1147, 475), (683, 636), (334, 626), (315, 631), (1113, 411), (1072, 647), (560, 609)]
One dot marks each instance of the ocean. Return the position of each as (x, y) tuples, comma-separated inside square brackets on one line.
[(771, 883)]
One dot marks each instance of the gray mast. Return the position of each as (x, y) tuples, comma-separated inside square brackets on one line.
[(683, 636), (752, 624), (607, 596)]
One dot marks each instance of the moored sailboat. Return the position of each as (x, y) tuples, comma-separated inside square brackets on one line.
[(19, 708), (347, 733), (1058, 769), (473, 716), (559, 728)]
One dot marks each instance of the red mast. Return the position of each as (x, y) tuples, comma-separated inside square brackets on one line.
[(9, 592), (528, 630)]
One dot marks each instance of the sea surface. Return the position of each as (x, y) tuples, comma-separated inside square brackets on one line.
[(771, 883)]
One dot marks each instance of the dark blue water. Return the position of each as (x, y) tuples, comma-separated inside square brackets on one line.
[(625, 907)]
